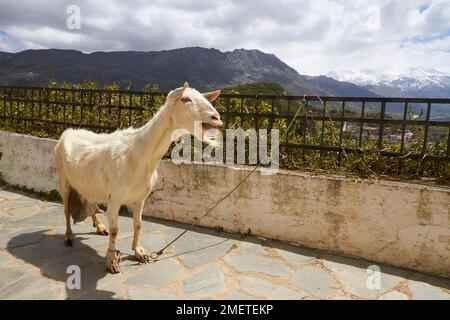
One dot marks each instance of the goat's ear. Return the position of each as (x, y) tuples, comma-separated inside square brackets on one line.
[(177, 93), (211, 96)]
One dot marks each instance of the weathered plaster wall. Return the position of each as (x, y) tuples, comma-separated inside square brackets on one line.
[(406, 225), (400, 224), (27, 161)]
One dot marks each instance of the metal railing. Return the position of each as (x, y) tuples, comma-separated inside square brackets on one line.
[(392, 127), (363, 113)]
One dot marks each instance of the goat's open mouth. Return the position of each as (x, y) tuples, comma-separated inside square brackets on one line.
[(211, 128), (210, 134)]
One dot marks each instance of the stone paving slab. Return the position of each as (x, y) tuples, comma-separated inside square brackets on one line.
[(204, 282), (314, 280), (203, 264)]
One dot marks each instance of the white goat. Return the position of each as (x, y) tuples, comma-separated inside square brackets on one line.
[(120, 168)]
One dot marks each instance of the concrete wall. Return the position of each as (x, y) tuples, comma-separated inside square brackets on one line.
[(401, 224), (27, 161)]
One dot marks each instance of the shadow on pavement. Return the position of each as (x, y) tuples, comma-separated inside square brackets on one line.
[(53, 258)]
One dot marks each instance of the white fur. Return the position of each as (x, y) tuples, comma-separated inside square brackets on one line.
[(120, 168)]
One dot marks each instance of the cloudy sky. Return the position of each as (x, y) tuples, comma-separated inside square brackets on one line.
[(314, 37)]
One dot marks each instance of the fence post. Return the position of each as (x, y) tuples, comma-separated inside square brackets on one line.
[(341, 131), (381, 131), (11, 110), (448, 144), (425, 134), (363, 107), (425, 139), (119, 125), (322, 132)]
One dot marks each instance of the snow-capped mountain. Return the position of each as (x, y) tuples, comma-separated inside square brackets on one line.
[(414, 82)]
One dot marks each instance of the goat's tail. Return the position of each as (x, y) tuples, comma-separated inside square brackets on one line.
[(79, 207)]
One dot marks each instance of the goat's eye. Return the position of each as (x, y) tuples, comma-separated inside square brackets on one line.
[(185, 99)]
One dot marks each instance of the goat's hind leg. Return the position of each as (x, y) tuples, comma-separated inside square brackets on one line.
[(64, 190)]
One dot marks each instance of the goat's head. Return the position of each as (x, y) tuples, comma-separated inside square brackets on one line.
[(193, 111)]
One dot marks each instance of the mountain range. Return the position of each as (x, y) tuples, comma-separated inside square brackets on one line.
[(417, 82), (207, 69), (203, 68)]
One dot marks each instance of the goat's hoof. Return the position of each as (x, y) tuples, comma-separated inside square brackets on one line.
[(143, 258), (102, 232), (68, 238), (113, 260), (140, 255), (114, 268)]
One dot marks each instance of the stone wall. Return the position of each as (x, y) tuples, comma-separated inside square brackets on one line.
[(406, 225)]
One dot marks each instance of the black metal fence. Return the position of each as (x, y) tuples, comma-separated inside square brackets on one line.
[(55, 109), (406, 128)]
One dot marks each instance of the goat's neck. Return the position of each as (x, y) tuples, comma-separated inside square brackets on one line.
[(155, 138)]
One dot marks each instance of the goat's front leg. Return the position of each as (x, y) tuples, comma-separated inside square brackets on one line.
[(97, 223), (139, 251), (112, 257)]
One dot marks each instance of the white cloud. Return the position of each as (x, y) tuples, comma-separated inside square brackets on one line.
[(46, 35), (312, 36)]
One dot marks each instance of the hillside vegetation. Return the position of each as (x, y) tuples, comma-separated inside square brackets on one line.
[(256, 89)]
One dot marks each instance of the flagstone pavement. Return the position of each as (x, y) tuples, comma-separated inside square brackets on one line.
[(203, 264)]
